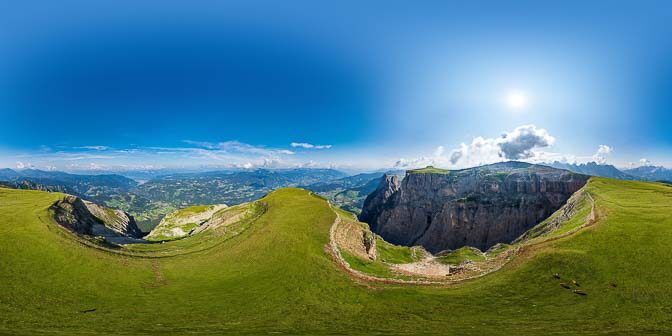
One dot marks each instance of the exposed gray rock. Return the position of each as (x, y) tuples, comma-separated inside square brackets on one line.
[(477, 207), (72, 213), (117, 220), (91, 219)]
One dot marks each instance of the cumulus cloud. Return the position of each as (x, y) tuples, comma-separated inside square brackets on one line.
[(24, 165), (645, 162), (439, 151), (518, 144), (455, 156), (521, 143), (308, 145), (309, 164), (416, 163), (602, 154)]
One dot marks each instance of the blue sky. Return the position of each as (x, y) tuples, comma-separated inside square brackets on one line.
[(121, 85)]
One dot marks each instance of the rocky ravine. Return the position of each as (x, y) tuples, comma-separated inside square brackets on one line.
[(477, 207)]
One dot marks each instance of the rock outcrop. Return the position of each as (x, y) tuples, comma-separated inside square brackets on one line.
[(88, 218), (183, 222), (114, 219), (476, 207), (72, 213)]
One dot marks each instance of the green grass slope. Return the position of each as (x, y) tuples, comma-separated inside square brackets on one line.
[(428, 170), (275, 277), (460, 255)]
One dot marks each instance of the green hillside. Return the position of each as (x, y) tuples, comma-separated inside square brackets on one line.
[(274, 276)]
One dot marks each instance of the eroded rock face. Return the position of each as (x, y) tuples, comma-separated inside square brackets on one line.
[(88, 218), (72, 213), (114, 219), (477, 207)]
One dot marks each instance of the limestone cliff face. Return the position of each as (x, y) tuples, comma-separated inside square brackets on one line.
[(88, 218), (477, 207)]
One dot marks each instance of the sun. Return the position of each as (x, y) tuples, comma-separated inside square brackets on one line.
[(517, 99)]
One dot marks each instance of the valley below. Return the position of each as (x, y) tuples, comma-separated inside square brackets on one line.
[(293, 263)]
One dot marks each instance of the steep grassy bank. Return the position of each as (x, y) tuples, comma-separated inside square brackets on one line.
[(276, 277)]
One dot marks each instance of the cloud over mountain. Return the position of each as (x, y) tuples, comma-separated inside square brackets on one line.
[(518, 144), (602, 154), (521, 143)]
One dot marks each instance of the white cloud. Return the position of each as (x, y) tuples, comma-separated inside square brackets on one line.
[(309, 146), (271, 163), (24, 165), (77, 157), (602, 154), (98, 148), (645, 162), (439, 151), (233, 147), (419, 162), (522, 143), (479, 151), (309, 164), (519, 143)]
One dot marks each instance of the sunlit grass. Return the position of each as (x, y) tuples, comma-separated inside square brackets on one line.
[(275, 276)]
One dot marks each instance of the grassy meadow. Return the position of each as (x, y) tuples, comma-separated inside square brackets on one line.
[(274, 276)]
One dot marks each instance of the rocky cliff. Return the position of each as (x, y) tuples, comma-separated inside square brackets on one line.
[(479, 207), (88, 218)]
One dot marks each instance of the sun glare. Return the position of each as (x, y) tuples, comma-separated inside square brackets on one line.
[(516, 99)]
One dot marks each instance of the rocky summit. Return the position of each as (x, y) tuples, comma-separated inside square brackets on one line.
[(479, 207)]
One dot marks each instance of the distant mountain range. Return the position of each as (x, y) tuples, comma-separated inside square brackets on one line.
[(98, 187), (594, 169), (150, 201), (645, 173), (651, 173)]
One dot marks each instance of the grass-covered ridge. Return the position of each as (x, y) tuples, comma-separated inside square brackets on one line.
[(461, 255), (428, 170), (397, 254), (275, 276)]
